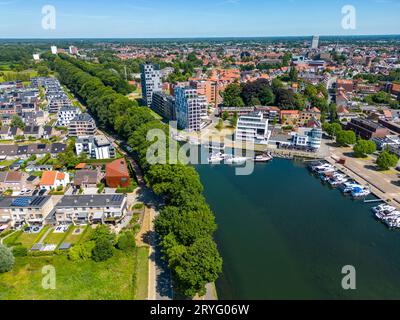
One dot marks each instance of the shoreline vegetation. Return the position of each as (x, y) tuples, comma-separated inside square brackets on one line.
[(186, 224)]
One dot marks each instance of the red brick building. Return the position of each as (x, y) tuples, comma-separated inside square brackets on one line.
[(117, 174)]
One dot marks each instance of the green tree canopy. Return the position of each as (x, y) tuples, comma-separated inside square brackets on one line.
[(364, 147), (6, 259), (386, 160)]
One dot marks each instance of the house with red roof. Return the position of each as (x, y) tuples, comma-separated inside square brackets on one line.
[(54, 179), (117, 174)]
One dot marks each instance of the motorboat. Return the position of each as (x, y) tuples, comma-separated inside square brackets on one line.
[(360, 192), (323, 168), (263, 158), (338, 180), (216, 157), (383, 208), (349, 186), (383, 215)]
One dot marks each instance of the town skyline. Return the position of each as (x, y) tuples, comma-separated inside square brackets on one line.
[(232, 18)]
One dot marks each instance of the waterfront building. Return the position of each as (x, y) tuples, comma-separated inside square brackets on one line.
[(308, 138), (252, 128), (164, 105), (151, 82), (191, 108), (367, 129)]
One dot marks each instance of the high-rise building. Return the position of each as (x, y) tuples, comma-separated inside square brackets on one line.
[(151, 82), (315, 42), (53, 49), (164, 105), (191, 108)]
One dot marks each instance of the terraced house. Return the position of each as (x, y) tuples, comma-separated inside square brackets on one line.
[(17, 211), (89, 209)]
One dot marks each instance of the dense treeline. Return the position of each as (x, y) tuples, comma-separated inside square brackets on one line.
[(186, 223), (109, 77)]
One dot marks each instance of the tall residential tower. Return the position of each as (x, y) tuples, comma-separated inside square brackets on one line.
[(151, 82)]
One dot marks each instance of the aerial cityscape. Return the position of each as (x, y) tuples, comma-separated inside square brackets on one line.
[(212, 162)]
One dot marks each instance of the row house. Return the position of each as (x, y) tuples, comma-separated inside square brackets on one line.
[(85, 209)]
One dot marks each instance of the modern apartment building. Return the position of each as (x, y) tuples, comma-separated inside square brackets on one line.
[(367, 129), (98, 147), (308, 138), (164, 105), (315, 42), (82, 125), (252, 128), (17, 211), (151, 82), (66, 115), (90, 209), (191, 108)]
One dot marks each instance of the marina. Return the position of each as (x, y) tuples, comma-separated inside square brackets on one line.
[(269, 246)]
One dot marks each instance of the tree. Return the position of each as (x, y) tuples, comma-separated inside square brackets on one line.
[(364, 147), (332, 129), (345, 138), (386, 160), (6, 259), (126, 241), (220, 125), (293, 74), (103, 232), (103, 250), (17, 122), (234, 119), (232, 97), (225, 115)]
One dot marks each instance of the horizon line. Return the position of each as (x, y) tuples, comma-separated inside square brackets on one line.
[(197, 37)]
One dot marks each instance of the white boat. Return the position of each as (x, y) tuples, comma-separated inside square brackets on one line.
[(263, 158), (216, 157), (383, 207), (338, 180), (349, 186), (386, 215), (323, 168), (235, 160), (361, 192)]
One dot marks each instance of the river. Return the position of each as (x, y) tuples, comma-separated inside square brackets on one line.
[(285, 235)]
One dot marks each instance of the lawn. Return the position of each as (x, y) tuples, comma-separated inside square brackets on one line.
[(55, 238), (25, 239), (142, 278), (80, 280), (74, 238)]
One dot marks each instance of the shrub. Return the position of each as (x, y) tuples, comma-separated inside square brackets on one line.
[(6, 259), (81, 251), (103, 250), (20, 251), (126, 241)]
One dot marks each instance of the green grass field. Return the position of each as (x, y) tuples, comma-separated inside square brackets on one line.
[(25, 239), (73, 238), (81, 280), (142, 269), (54, 238)]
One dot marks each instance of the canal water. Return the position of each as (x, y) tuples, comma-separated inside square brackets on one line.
[(285, 235)]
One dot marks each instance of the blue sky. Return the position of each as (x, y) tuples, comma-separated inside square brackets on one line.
[(202, 18)]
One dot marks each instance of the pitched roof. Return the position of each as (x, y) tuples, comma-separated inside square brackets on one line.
[(117, 168), (49, 177)]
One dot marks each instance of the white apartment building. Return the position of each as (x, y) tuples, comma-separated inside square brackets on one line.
[(98, 147), (307, 138), (252, 128), (151, 82), (190, 108), (66, 115)]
